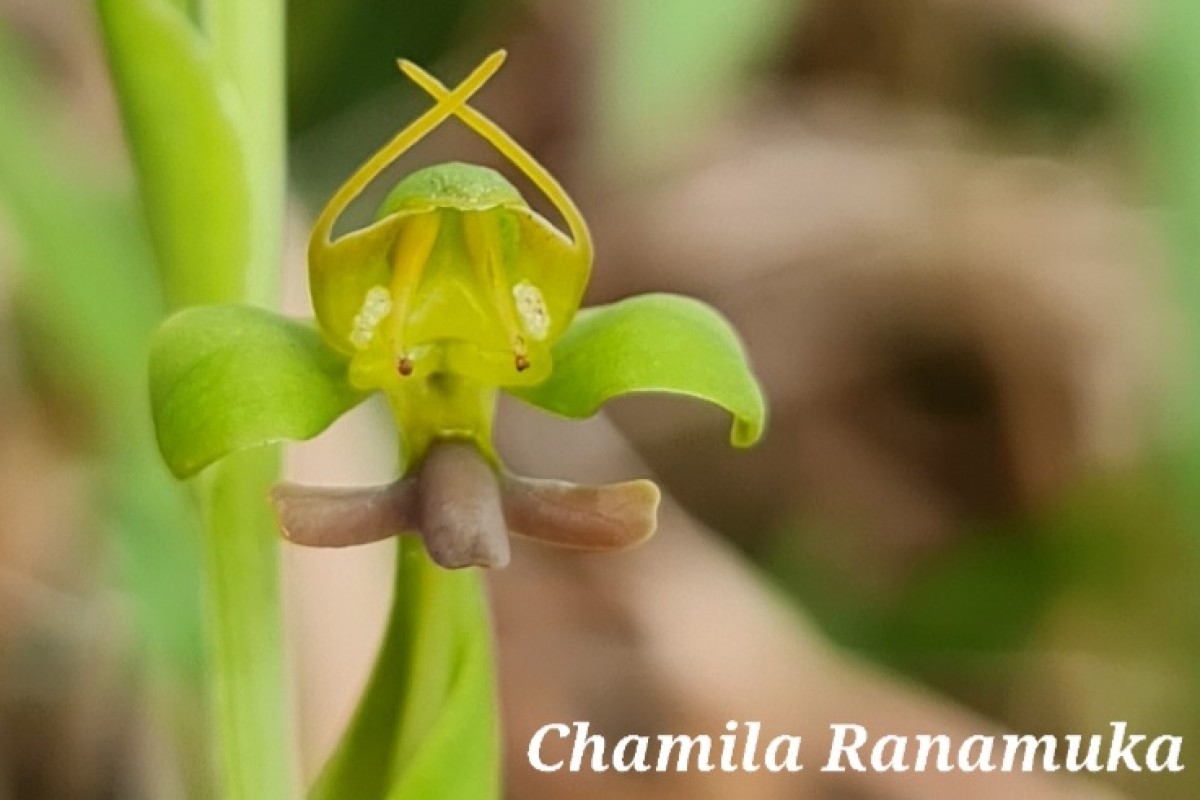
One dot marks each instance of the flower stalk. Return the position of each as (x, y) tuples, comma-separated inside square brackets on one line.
[(202, 94)]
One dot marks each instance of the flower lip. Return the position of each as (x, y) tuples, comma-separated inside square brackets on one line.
[(464, 187)]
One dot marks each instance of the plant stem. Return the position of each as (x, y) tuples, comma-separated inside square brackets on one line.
[(253, 723), (202, 90), (243, 611), (248, 39)]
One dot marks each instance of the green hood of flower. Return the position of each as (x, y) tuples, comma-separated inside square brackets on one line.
[(466, 187), (481, 281)]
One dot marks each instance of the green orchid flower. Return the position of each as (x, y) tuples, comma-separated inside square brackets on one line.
[(457, 291)]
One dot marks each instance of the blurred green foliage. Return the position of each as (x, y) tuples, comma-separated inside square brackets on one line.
[(90, 299), (340, 54), (669, 69)]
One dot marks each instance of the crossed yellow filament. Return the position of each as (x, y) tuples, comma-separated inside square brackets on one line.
[(412, 252)]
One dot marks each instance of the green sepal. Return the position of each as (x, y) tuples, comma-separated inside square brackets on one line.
[(227, 377), (656, 343)]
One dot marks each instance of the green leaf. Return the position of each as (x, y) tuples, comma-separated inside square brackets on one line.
[(185, 124), (227, 377), (426, 724), (652, 343)]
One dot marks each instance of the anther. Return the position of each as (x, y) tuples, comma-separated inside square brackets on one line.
[(405, 366), (522, 363)]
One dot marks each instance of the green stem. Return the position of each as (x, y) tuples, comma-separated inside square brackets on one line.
[(203, 99), (243, 612), (253, 723), (248, 39)]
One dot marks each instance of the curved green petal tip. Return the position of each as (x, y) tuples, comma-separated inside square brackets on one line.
[(227, 377), (652, 343)]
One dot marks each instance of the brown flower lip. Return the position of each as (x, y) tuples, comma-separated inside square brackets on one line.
[(465, 511)]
